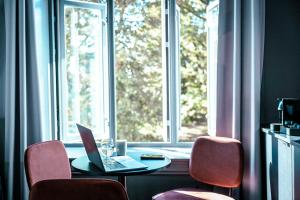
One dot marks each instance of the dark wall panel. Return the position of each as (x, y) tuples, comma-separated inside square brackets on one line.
[(281, 72)]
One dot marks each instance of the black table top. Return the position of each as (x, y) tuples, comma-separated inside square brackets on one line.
[(83, 165)]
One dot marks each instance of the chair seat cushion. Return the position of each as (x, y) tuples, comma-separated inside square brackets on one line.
[(190, 194)]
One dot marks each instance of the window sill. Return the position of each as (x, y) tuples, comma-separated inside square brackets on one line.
[(179, 158)]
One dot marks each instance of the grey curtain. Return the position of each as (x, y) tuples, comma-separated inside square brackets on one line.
[(25, 87), (2, 77), (239, 73)]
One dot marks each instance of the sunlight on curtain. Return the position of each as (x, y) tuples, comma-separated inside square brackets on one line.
[(240, 56), (27, 107)]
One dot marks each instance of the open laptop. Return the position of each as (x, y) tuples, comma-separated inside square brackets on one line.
[(117, 163)]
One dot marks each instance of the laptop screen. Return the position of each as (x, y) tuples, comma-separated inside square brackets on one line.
[(87, 139), (90, 146)]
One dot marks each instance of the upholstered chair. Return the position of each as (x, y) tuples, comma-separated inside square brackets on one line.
[(48, 175), (214, 160), (46, 160), (78, 189)]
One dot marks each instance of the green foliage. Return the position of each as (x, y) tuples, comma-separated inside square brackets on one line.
[(139, 67), (78, 63), (193, 52), (139, 70)]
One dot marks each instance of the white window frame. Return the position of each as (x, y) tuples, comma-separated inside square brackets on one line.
[(171, 66), (212, 43), (62, 119)]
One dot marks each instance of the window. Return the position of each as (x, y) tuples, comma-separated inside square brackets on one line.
[(158, 91), (139, 71), (193, 69), (83, 72)]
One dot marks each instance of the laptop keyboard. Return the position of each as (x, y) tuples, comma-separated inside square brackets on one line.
[(112, 164)]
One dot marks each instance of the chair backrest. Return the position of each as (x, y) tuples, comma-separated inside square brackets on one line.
[(78, 189), (46, 160), (217, 161)]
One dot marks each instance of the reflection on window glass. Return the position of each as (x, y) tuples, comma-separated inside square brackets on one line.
[(82, 93), (212, 53), (94, 1), (193, 69), (139, 70)]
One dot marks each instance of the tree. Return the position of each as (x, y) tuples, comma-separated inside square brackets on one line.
[(139, 67), (139, 70)]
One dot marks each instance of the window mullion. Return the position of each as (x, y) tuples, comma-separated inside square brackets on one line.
[(166, 78), (173, 73), (61, 71), (111, 70), (53, 72)]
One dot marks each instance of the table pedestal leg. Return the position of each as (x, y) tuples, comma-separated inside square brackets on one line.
[(122, 180)]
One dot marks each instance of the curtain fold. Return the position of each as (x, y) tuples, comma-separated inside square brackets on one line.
[(2, 88), (239, 73), (26, 114)]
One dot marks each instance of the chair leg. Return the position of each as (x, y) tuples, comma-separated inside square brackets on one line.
[(230, 192)]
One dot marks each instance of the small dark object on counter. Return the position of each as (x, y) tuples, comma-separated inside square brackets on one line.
[(152, 157), (275, 127)]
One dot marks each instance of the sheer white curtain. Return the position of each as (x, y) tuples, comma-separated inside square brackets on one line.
[(26, 114), (240, 63)]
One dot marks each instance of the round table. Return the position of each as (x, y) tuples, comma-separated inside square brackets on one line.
[(84, 165)]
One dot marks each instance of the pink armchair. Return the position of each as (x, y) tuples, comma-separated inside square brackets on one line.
[(214, 160), (76, 189), (48, 175), (46, 160)]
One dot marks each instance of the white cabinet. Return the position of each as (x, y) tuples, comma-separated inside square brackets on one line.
[(280, 168), (285, 180), (296, 170), (271, 166)]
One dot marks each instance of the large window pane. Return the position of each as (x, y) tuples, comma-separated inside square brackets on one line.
[(139, 72), (83, 75), (193, 69)]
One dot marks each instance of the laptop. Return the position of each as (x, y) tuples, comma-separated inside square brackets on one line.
[(117, 163)]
